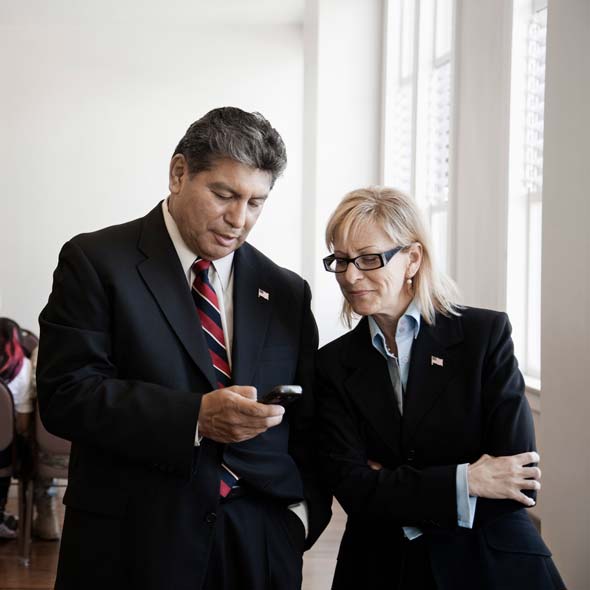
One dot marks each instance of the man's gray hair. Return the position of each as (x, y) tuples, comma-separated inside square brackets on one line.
[(229, 132)]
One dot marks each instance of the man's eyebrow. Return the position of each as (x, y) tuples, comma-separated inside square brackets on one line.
[(222, 186)]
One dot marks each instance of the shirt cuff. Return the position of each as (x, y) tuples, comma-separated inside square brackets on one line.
[(466, 504), (198, 438), (301, 510), (412, 532)]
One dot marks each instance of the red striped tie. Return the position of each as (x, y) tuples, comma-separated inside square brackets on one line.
[(208, 309)]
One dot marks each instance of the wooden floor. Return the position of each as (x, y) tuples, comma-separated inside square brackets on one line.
[(319, 562)]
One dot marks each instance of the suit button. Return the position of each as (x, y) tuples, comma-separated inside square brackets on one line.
[(411, 456), (211, 518)]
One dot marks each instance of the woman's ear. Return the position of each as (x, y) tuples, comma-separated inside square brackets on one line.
[(414, 259)]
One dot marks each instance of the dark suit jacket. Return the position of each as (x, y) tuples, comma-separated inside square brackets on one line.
[(123, 364), (473, 404)]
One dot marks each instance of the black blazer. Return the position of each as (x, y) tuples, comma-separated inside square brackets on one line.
[(454, 413), (123, 364)]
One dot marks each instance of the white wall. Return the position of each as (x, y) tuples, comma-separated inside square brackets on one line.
[(342, 128), (90, 114), (100, 94), (566, 291)]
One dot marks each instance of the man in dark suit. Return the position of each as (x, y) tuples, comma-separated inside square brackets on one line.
[(158, 338)]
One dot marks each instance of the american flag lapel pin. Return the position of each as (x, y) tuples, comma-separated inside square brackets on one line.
[(262, 294), (435, 360)]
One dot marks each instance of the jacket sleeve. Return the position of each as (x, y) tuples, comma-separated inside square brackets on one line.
[(81, 396), (404, 495), (508, 422), (303, 431)]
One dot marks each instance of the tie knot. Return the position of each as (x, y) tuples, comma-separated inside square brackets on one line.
[(201, 265)]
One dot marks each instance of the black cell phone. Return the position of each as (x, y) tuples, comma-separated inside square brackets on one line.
[(282, 395)]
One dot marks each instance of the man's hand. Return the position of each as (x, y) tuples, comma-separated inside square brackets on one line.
[(503, 478), (374, 465), (232, 414)]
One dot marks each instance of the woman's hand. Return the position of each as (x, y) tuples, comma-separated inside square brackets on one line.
[(503, 478)]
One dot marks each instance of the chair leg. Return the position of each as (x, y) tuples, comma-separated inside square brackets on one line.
[(25, 519), (28, 522), (21, 521)]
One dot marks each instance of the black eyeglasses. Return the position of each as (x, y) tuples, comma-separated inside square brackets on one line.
[(338, 264)]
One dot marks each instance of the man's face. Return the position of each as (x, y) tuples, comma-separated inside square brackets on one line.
[(216, 209)]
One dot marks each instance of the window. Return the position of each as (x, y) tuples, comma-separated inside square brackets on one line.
[(399, 95), (526, 182), (418, 101)]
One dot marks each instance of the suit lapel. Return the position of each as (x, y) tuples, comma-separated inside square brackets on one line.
[(427, 379), (251, 315), (370, 388), (165, 279)]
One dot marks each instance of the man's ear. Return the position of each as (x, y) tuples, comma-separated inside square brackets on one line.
[(178, 173)]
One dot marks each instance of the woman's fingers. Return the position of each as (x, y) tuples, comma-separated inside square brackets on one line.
[(531, 473), (524, 499), (527, 458), (529, 484), (505, 477)]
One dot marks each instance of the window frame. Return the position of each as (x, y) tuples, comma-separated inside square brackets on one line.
[(425, 62)]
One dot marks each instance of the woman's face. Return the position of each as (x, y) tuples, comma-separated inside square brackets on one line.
[(383, 291)]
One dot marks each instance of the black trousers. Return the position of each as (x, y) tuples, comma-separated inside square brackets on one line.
[(399, 565), (258, 545), (415, 571)]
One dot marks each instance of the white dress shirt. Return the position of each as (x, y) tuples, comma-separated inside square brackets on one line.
[(221, 275)]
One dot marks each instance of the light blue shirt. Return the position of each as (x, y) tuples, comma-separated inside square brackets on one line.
[(407, 331)]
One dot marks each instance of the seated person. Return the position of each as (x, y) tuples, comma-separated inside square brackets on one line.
[(18, 372), (15, 371)]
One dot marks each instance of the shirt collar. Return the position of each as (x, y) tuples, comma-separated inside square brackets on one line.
[(413, 312), (411, 316), (223, 266)]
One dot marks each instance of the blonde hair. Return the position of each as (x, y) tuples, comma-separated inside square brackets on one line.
[(398, 215)]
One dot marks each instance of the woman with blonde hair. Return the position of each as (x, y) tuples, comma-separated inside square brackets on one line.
[(427, 439)]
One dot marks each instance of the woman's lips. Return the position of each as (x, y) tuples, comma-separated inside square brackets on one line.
[(357, 293)]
